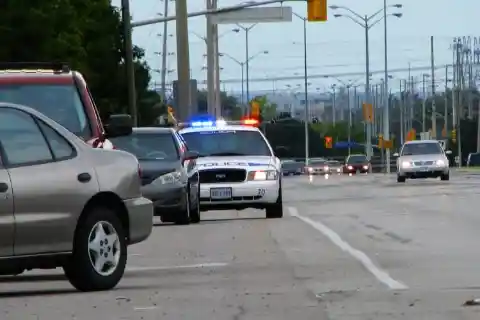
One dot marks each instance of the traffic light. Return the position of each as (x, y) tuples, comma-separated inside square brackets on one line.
[(328, 142), (316, 10), (255, 109), (454, 135), (411, 135), (380, 141)]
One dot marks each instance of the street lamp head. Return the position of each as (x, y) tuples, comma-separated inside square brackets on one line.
[(337, 15), (265, 52), (398, 15), (325, 76), (334, 7), (398, 5), (236, 30)]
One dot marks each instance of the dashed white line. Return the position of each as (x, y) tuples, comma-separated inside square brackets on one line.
[(144, 308), (378, 273), (189, 266)]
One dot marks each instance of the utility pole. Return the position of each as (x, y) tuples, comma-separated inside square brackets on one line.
[(446, 101), (386, 108), (424, 102), (164, 52), (434, 109), (210, 61), (127, 34), (402, 111), (184, 107), (216, 55)]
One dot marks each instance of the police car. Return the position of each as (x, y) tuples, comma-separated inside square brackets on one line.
[(236, 165)]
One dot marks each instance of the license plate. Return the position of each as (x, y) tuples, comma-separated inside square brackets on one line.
[(423, 168), (221, 193)]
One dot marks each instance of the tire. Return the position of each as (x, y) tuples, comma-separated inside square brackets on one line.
[(79, 268), (445, 177), (275, 210), (195, 211), (183, 217), (401, 179)]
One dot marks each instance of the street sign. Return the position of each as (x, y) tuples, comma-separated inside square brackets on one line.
[(317, 10), (254, 15), (367, 112), (388, 144)]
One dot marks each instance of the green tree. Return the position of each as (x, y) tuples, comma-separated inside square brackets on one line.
[(85, 34)]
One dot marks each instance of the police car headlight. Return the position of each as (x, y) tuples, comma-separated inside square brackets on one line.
[(169, 178), (262, 175)]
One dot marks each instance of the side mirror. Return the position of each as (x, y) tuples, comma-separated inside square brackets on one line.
[(119, 125), (448, 152), (396, 154), (190, 155)]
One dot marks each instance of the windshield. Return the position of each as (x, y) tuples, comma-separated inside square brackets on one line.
[(227, 143), (357, 159), (318, 162), (333, 163), (413, 149), (60, 103), (148, 146)]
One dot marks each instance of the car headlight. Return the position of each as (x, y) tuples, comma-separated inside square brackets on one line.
[(365, 167), (338, 169), (262, 175), (440, 163), (310, 169), (406, 164), (350, 167), (325, 168), (169, 178)]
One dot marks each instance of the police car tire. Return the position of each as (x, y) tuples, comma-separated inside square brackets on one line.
[(275, 210)]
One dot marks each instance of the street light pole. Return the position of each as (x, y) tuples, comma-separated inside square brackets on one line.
[(386, 109), (365, 22), (349, 120), (247, 67)]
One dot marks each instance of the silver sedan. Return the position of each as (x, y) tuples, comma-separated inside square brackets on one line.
[(66, 204), (422, 159)]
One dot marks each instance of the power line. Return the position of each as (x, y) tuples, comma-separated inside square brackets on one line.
[(337, 75)]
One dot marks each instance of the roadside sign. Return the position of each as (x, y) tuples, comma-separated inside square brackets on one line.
[(388, 144), (254, 15)]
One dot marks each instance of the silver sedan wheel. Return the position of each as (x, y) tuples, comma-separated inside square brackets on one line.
[(104, 248)]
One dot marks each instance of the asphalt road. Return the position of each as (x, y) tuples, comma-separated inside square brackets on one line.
[(361, 247)]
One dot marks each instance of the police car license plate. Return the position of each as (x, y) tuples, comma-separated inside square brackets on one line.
[(221, 193)]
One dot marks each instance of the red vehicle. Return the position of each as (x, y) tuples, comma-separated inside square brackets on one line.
[(62, 95), (356, 163)]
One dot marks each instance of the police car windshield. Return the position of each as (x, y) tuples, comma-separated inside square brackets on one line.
[(227, 143), (149, 146), (413, 149), (59, 102)]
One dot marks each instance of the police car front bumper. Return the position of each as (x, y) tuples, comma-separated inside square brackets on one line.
[(245, 193)]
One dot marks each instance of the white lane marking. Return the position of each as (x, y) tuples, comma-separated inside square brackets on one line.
[(135, 254), (381, 275), (190, 266), (144, 308)]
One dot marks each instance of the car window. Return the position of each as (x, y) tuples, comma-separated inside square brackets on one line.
[(357, 159), (61, 148), (21, 139), (61, 103), (149, 146), (227, 142), (412, 149)]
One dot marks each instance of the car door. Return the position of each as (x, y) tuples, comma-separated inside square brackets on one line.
[(190, 167), (50, 181), (7, 221)]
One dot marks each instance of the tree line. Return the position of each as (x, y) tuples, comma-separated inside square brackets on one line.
[(88, 35)]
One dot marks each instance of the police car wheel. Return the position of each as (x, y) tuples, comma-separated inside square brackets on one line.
[(275, 210)]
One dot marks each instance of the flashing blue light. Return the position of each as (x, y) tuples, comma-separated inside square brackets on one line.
[(208, 124)]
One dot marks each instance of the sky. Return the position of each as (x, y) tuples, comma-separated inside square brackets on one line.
[(334, 47)]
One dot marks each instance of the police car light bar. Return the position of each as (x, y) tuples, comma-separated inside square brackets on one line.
[(218, 123)]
